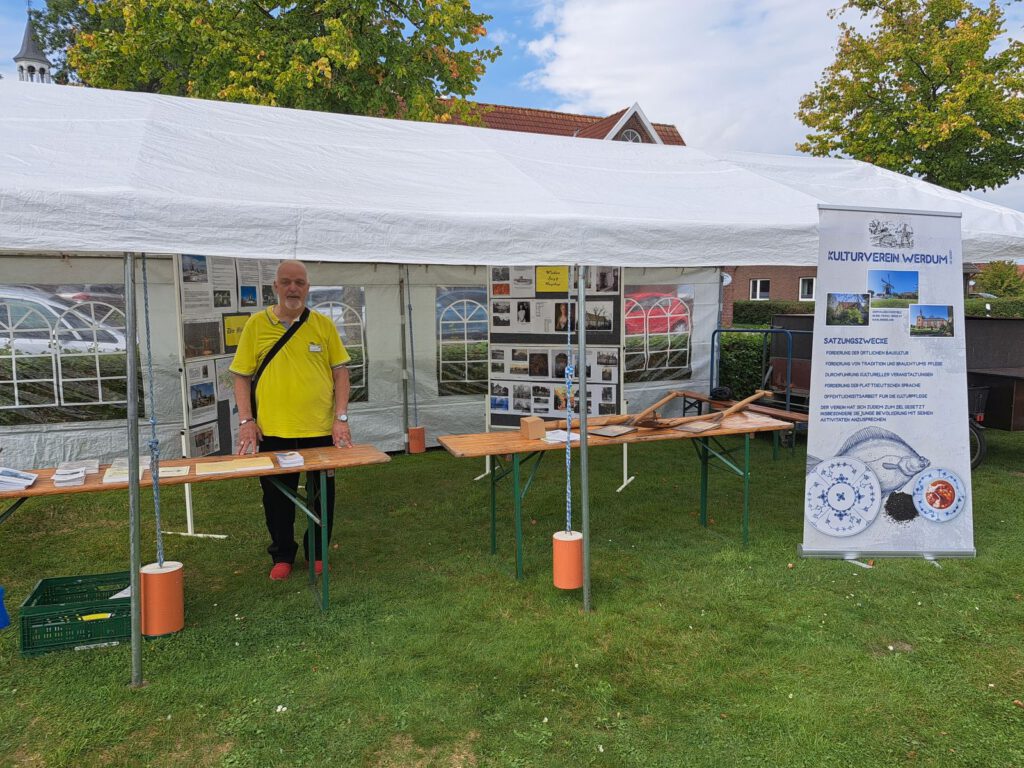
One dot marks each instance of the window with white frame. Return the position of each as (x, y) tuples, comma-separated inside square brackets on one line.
[(346, 306), (807, 289), (63, 354), (658, 328), (461, 313), (759, 289)]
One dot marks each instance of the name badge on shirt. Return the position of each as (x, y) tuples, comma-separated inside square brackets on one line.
[(314, 347)]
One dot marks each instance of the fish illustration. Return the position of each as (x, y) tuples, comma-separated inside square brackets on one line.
[(887, 455)]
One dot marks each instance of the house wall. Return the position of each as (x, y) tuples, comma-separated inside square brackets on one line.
[(785, 285)]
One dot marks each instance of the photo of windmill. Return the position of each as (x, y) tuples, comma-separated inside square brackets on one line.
[(892, 288)]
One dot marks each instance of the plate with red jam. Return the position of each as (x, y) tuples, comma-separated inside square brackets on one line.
[(939, 494)]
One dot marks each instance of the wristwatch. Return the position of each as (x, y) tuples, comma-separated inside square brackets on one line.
[(342, 417), (245, 421)]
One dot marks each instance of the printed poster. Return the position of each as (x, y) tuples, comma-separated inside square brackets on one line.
[(888, 467)]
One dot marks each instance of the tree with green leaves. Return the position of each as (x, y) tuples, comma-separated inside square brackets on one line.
[(371, 57), (1001, 278), (930, 88)]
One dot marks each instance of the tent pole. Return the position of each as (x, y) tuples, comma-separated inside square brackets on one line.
[(135, 543), (412, 346), (405, 359), (581, 366)]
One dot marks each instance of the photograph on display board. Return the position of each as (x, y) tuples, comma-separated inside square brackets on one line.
[(558, 369), (501, 314), (269, 298), (221, 298), (521, 400), (203, 339), (931, 320), (539, 365), (847, 309), (561, 395), (497, 354), (247, 296), (499, 403), (892, 288), (522, 281), (541, 392), (204, 440), (499, 390), (599, 316), (603, 280), (193, 269), (523, 312), (497, 367), (565, 316)]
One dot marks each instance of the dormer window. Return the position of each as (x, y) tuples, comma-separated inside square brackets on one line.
[(632, 136)]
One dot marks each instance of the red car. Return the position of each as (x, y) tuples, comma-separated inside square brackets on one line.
[(655, 313)]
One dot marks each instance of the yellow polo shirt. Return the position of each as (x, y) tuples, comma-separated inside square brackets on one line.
[(295, 393)]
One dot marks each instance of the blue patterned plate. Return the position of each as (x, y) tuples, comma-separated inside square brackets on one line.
[(843, 496)]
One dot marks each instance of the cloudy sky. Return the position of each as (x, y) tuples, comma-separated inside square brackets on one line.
[(728, 73)]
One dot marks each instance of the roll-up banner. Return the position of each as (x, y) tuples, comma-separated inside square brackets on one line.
[(888, 463)]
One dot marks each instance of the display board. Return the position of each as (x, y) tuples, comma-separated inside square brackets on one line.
[(217, 297), (532, 311), (888, 457)]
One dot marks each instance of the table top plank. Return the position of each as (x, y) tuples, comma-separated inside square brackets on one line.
[(315, 459), (500, 443)]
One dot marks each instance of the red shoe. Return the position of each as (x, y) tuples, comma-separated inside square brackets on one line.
[(280, 571), (318, 567)]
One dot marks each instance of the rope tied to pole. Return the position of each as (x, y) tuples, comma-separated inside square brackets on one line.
[(154, 442), (570, 372)]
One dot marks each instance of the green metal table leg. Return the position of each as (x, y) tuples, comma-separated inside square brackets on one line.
[(746, 488), (11, 509), (518, 505), (702, 451), (324, 550), (494, 504), (775, 445)]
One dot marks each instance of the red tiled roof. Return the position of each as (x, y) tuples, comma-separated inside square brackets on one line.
[(527, 120)]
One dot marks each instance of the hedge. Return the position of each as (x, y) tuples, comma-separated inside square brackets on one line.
[(761, 312), (740, 362), (1008, 307)]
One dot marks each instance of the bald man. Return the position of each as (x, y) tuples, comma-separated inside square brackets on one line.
[(301, 399)]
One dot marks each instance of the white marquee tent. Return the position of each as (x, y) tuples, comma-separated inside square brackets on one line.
[(91, 170)]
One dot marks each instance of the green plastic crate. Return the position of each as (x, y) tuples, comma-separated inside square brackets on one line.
[(69, 612)]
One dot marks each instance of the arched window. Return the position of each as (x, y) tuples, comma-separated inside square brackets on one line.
[(658, 329), (461, 340), (92, 354), (28, 370), (351, 325), (632, 136)]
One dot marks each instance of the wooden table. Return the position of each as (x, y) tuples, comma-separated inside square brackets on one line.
[(501, 445), (317, 460)]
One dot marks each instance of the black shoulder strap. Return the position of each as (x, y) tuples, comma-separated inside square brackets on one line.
[(273, 351)]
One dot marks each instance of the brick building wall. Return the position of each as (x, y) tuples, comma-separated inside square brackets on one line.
[(784, 285)]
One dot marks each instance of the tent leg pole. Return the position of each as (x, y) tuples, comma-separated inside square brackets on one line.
[(405, 359), (135, 543), (581, 365)]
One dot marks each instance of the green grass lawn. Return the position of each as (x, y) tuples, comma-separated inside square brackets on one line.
[(700, 652)]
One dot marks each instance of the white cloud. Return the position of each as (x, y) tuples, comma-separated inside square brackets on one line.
[(728, 73)]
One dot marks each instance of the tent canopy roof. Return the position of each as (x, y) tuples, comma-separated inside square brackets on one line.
[(92, 170)]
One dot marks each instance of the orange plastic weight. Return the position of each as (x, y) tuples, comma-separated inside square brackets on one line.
[(163, 598), (417, 439), (567, 559)]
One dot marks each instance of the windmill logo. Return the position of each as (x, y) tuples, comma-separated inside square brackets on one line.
[(891, 234)]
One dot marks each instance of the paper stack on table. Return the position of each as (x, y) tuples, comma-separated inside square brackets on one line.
[(289, 459), (117, 472), (91, 466), (15, 479), (559, 435), (68, 478)]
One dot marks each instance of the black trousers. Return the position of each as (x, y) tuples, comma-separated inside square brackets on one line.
[(280, 510)]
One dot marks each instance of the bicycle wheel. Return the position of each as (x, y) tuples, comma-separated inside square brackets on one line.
[(978, 444)]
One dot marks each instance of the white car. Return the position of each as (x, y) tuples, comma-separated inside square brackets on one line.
[(33, 322)]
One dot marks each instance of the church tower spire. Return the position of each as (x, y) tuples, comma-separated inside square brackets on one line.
[(32, 63)]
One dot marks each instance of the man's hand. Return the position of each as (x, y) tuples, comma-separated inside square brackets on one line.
[(249, 436), (340, 435)]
